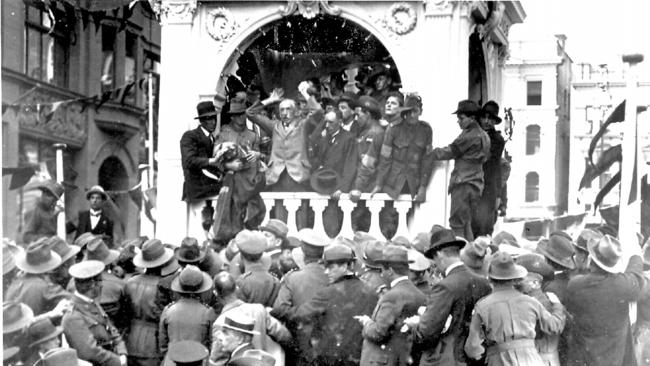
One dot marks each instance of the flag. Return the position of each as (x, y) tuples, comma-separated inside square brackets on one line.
[(19, 175), (605, 161), (606, 189)]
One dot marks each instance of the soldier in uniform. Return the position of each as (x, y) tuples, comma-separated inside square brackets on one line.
[(87, 328), (418, 267), (297, 288), (371, 271), (187, 318), (371, 137), (278, 247), (257, 285), (336, 335), (41, 220), (237, 131), (68, 254)]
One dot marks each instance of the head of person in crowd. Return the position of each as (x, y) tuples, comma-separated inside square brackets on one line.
[(288, 111), (16, 317), (312, 245), (381, 80), (394, 263), (189, 252), (187, 353), (207, 115), (38, 258), (339, 261), (251, 245), (466, 113), (191, 282), (444, 249), (607, 230), (333, 122), (328, 104), (275, 232), (539, 272), (372, 254), (61, 357), (581, 256), (96, 197), (225, 287), (394, 101), (253, 357), (153, 257), (236, 330), (606, 254), (88, 278), (412, 109), (237, 112), (368, 112), (489, 115), (504, 272), (125, 259), (68, 254), (346, 104), (43, 336), (558, 251), (418, 266), (475, 255), (51, 192)]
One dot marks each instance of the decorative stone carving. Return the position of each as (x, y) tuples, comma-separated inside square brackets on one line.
[(399, 20), (175, 11), (503, 54), (221, 24), (438, 7), (309, 8)]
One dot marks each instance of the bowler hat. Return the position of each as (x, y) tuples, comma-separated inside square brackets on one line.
[(251, 242), (187, 351), (441, 239), (98, 250), (38, 258), (61, 357), (15, 316), (191, 280), (491, 108), (473, 253), (467, 107), (394, 254), (606, 254), (503, 267), (558, 249), (86, 270), (253, 357), (98, 190), (237, 106), (536, 263), (153, 254), (189, 251), (53, 187), (61, 247), (42, 330), (9, 252), (236, 320), (325, 181), (338, 253), (205, 109), (417, 261), (585, 237), (369, 103), (372, 253)]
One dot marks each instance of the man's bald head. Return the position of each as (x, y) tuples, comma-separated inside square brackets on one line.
[(224, 284)]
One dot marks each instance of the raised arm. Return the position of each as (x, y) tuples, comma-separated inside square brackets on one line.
[(253, 113)]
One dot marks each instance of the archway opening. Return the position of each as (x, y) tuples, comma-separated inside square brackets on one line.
[(113, 177)]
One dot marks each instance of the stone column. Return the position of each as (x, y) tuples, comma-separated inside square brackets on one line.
[(177, 109)]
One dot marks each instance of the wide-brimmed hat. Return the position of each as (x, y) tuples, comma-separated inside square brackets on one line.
[(9, 253), (606, 253), (98, 250), (84, 239), (205, 108), (585, 237), (153, 254), (558, 249), (504, 237), (86, 270), (417, 261), (61, 247), (441, 239), (325, 181), (467, 107), (491, 108), (38, 258), (503, 267), (338, 253), (253, 357), (97, 189), (411, 101), (61, 357), (237, 106), (189, 251), (474, 253), (240, 322), (170, 267), (372, 253), (15, 316), (536, 263), (187, 351), (191, 280), (42, 330), (369, 103), (53, 187), (394, 254), (422, 241), (251, 242)]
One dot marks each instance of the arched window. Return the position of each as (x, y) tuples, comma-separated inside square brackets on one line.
[(532, 187), (532, 139)]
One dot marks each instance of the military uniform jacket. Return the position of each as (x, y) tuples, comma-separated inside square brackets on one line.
[(369, 149), (404, 158), (257, 285), (383, 343), (185, 320), (298, 287), (145, 310), (112, 299), (245, 138), (331, 311), (454, 296), (372, 278), (37, 291), (104, 226), (90, 332)]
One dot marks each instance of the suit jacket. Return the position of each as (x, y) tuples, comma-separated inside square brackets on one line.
[(454, 296), (383, 342), (196, 150), (103, 227), (338, 153)]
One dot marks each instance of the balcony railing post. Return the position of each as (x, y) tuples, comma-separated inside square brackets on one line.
[(402, 208), (318, 205), (347, 207), (292, 205), (375, 207)]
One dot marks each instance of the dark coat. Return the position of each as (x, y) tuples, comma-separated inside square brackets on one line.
[(196, 150), (185, 320), (145, 308), (89, 331), (257, 285), (103, 227), (331, 311), (383, 342), (338, 153), (36, 291), (39, 222), (483, 222), (600, 333), (455, 296)]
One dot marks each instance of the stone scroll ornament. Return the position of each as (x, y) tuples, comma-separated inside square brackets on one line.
[(221, 24), (309, 8)]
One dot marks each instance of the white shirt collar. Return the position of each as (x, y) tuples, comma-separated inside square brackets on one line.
[(205, 132), (398, 280), (454, 265), (83, 297), (95, 212)]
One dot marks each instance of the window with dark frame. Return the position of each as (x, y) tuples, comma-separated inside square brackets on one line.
[(533, 138), (534, 93), (46, 49), (532, 187), (129, 66), (109, 40)]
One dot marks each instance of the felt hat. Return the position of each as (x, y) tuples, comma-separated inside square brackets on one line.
[(187, 351), (467, 107), (15, 316), (189, 251), (191, 280), (253, 357), (97, 189), (86, 269), (585, 237), (421, 242), (606, 253), (237, 106), (402, 241), (503, 267), (251, 242), (236, 320), (38, 258), (293, 242), (338, 253), (9, 353), (411, 101), (504, 237), (61, 247), (325, 181), (312, 242), (535, 263), (83, 240), (417, 261), (42, 330), (362, 237), (491, 109), (9, 253), (61, 357), (373, 253), (277, 228), (441, 239), (153, 254), (98, 250), (474, 253), (394, 254), (558, 249), (369, 103), (53, 187), (349, 97), (170, 267), (512, 250), (205, 108)]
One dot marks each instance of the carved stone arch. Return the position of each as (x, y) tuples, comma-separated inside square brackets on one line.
[(114, 148)]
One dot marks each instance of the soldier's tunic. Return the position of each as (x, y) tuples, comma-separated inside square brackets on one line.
[(369, 149), (145, 310), (112, 299), (257, 285), (90, 332), (185, 320), (36, 291), (245, 138), (372, 278)]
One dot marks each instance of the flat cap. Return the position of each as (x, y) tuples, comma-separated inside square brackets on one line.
[(337, 253), (251, 242), (86, 269)]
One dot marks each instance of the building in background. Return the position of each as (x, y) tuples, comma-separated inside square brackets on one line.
[(74, 74)]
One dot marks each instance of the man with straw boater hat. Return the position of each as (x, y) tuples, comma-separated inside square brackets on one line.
[(601, 333), (41, 220), (95, 220), (504, 323), (234, 336)]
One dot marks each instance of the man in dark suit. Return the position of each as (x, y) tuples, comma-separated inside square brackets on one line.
[(383, 342), (442, 329), (95, 220)]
